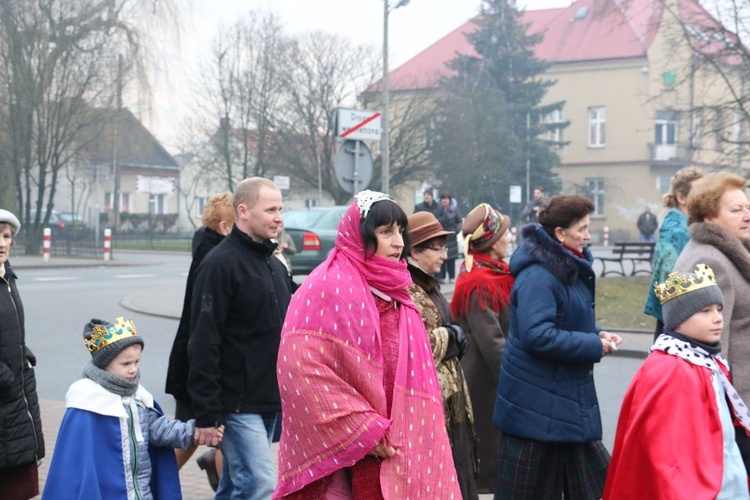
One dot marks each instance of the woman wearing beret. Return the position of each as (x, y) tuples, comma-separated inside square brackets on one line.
[(21, 440), (480, 307), (719, 218), (448, 342), (546, 405)]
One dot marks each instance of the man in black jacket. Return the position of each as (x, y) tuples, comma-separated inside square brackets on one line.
[(647, 224), (429, 204), (240, 298)]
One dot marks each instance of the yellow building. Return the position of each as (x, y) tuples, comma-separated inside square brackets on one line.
[(641, 105)]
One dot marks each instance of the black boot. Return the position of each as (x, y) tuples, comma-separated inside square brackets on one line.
[(207, 462)]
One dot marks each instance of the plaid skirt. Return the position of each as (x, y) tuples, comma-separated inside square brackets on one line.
[(528, 469)]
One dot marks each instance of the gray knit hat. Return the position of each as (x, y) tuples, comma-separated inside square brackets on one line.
[(684, 294), (105, 340)]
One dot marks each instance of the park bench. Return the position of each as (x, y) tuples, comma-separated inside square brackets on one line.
[(632, 251)]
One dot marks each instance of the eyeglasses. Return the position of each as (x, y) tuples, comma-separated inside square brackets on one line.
[(441, 250)]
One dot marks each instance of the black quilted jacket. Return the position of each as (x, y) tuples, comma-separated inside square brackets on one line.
[(21, 441)]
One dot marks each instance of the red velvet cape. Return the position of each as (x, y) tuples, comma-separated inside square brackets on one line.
[(669, 441)]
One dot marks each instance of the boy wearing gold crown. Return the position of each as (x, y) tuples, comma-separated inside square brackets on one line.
[(675, 436), (114, 441)]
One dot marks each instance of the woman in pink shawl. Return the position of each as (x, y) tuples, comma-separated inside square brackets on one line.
[(361, 405)]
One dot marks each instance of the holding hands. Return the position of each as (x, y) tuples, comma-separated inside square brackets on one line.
[(383, 449), (209, 436)]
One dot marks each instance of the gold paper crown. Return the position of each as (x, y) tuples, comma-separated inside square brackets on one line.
[(104, 336), (678, 284)]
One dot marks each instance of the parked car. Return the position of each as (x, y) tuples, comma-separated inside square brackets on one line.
[(313, 231), (66, 225)]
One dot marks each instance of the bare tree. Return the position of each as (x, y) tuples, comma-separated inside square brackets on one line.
[(56, 60), (711, 78), (323, 74), (243, 85)]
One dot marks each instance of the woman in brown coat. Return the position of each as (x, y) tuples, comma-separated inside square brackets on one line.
[(428, 252), (719, 218), (480, 307)]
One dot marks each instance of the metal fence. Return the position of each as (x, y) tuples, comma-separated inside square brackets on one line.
[(89, 247)]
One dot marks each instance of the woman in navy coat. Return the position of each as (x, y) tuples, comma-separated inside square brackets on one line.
[(546, 405)]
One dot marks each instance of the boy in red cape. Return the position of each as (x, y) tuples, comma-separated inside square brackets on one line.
[(675, 436)]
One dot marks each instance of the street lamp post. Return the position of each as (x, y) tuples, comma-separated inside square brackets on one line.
[(384, 142)]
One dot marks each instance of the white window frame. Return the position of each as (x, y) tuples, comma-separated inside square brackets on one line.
[(595, 189), (556, 134), (665, 128), (597, 129), (200, 205)]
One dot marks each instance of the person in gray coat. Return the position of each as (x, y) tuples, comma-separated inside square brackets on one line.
[(719, 223)]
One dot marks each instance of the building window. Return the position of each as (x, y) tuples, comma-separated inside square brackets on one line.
[(696, 128), (554, 134), (200, 205), (429, 134), (665, 137), (124, 202), (666, 127), (156, 204), (664, 184), (595, 191), (597, 127)]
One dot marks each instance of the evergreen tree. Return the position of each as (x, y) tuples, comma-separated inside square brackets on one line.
[(490, 118)]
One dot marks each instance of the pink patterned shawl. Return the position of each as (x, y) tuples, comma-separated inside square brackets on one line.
[(330, 372)]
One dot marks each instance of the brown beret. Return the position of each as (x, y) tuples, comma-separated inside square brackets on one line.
[(423, 226)]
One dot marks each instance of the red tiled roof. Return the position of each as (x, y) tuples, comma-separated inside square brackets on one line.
[(608, 29)]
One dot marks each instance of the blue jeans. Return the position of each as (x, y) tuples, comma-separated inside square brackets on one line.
[(248, 471)]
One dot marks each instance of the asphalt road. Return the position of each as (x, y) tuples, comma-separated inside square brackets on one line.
[(59, 302)]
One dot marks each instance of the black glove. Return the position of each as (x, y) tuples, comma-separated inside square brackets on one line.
[(458, 336)]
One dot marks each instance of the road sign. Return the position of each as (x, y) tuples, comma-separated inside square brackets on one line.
[(358, 125), (515, 194), (281, 181), (353, 166)]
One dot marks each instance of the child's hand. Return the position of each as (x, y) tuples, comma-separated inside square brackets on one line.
[(383, 449)]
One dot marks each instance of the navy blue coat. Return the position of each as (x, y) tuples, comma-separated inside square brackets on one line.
[(546, 385)]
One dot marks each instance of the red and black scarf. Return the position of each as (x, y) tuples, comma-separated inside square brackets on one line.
[(489, 278)]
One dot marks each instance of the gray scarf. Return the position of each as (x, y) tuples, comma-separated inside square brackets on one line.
[(112, 383)]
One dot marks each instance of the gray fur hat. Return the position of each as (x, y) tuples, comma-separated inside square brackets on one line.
[(684, 294), (105, 340)]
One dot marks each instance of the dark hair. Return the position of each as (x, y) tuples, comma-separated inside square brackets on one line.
[(540, 188), (445, 194), (563, 211), (383, 213), (428, 191)]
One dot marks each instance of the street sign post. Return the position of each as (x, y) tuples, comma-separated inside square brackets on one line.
[(353, 166), (358, 125)]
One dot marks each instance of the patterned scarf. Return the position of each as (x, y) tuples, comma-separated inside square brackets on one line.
[(330, 372), (692, 352), (489, 278)]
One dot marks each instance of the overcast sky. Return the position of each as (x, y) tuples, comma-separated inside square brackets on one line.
[(412, 28)]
